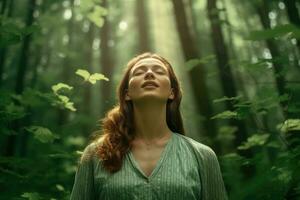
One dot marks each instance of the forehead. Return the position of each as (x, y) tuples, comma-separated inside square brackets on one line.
[(148, 62)]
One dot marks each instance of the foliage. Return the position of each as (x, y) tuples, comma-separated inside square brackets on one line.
[(290, 125), (225, 115), (31, 196), (190, 64), (93, 11), (13, 33), (278, 31), (91, 78), (255, 140), (42, 134)]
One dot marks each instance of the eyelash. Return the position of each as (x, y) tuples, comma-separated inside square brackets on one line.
[(158, 72)]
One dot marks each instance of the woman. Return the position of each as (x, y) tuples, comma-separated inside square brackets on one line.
[(143, 153)]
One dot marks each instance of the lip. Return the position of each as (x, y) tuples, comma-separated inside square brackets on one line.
[(150, 86), (149, 83)]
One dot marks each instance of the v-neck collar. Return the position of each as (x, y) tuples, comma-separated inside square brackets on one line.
[(159, 162)]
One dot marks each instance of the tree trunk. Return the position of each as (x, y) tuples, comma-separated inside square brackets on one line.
[(291, 136), (226, 76), (143, 28), (23, 60), (293, 15), (20, 79), (3, 6), (87, 96), (263, 11), (107, 64), (197, 74), (3, 49)]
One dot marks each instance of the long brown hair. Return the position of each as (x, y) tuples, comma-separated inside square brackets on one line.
[(117, 126)]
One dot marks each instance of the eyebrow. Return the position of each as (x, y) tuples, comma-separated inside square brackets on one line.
[(144, 67)]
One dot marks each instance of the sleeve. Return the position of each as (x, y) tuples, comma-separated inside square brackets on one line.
[(83, 188), (213, 178)]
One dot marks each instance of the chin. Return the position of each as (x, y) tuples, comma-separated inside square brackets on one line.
[(151, 98)]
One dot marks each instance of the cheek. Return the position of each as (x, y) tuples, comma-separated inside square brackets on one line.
[(133, 84), (166, 83)]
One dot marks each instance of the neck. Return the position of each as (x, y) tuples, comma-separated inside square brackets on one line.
[(150, 121)]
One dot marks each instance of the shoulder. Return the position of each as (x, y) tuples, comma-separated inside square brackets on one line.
[(90, 150), (203, 150)]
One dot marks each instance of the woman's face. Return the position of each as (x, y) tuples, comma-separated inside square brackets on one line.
[(149, 78)]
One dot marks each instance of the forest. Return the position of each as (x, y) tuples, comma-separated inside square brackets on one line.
[(238, 63)]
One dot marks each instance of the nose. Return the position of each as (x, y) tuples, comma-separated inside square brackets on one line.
[(149, 74)]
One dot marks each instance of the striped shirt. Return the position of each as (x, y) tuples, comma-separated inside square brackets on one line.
[(186, 169)]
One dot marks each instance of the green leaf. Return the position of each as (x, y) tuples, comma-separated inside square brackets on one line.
[(60, 187), (283, 174), (83, 73), (96, 16), (233, 159), (190, 64), (70, 106), (225, 98), (59, 86), (233, 156), (278, 31), (243, 109), (226, 133), (15, 111), (42, 134), (77, 141), (96, 77), (31, 196), (289, 125), (65, 102), (225, 115), (92, 78), (99, 21), (254, 140), (64, 99), (85, 6)]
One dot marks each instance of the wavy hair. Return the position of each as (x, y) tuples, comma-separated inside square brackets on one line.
[(118, 131)]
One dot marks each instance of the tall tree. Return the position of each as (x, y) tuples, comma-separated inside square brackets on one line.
[(23, 60), (197, 73), (225, 72), (20, 76), (87, 96), (293, 14), (106, 61), (143, 26), (6, 10), (263, 9)]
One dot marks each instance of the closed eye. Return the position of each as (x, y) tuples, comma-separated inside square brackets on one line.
[(156, 69), (137, 73), (160, 72)]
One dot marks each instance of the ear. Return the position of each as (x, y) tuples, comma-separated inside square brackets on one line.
[(172, 96)]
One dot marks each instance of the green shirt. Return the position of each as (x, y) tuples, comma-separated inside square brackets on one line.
[(186, 169)]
